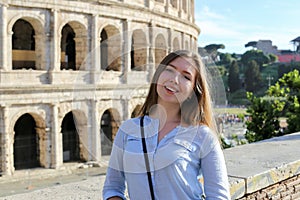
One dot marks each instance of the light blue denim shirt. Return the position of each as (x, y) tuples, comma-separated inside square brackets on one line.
[(176, 163)]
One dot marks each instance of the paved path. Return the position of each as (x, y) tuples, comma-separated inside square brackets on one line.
[(87, 189), (80, 185)]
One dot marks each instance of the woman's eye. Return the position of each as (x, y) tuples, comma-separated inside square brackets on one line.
[(187, 77), (168, 70)]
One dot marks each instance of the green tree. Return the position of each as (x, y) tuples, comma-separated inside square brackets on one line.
[(252, 77), (257, 55), (212, 50), (283, 69), (282, 100), (264, 113), (273, 58), (288, 89), (225, 59), (251, 44), (234, 82)]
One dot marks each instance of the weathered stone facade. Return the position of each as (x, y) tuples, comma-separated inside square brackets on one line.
[(71, 71)]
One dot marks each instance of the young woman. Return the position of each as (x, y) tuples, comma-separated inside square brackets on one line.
[(180, 140)]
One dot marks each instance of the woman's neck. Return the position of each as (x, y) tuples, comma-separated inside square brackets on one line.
[(166, 113), (169, 118)]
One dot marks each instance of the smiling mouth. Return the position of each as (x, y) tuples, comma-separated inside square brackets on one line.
[(170, 89)]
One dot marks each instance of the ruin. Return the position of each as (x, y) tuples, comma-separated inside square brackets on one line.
[(71, 71)]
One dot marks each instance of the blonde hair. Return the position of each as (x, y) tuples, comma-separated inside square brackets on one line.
[(195, 110)]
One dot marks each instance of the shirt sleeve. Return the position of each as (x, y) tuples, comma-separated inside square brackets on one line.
[(216, 185), (114, 184)]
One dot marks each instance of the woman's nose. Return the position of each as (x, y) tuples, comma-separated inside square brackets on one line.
[(175, 78)]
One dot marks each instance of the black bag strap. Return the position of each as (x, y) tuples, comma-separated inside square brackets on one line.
[(146, 157)]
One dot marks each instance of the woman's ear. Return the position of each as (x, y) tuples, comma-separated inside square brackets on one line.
[(198, 88)]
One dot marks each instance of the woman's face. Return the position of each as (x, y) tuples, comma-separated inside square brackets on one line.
[(176, 83)]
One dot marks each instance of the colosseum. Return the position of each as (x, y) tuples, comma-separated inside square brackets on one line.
[(71, 71)]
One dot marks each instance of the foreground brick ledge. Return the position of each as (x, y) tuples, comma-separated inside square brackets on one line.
[(257, 166)]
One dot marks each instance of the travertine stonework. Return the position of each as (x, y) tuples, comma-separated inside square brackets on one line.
[(92, 58)]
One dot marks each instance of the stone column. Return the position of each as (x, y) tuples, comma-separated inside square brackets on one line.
[(3, 37), (169, 42), (182, 40), (126, 48), (95, 51), (192, 11), (55, 42), (56, 140), (3, 141), (151, 52), (40, 63), (7, 143), (167, 4), (180, 8), (94, 128)]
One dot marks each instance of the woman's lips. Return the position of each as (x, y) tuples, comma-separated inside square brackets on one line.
[(171, 90)]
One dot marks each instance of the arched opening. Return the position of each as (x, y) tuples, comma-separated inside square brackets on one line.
[(68, 48), (186, 45), (109, 127), (26, 143), (104, 50), (176, 45), (160, 49), (23, 45), (174, 3), (71, 150), (138, 53), (110, 49)]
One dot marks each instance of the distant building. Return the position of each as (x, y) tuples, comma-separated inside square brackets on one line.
[(287, 56), (266, 47), (284, 56), (296, 43), (72, 71)]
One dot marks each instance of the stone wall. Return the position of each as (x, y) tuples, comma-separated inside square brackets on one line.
[(288, 189), (269, 169), (115, 46)]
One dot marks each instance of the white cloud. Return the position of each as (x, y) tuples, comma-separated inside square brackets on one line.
[(234, 32), (206, 13)]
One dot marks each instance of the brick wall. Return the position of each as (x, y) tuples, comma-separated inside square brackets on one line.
[(288, 189)]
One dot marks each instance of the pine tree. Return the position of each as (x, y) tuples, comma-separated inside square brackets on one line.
[(252, 77), (234, 82)]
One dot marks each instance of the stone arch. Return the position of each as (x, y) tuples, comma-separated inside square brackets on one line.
[(110, 48), (109, 125), (176, 44), (75, 137), (138, 53), (74, 45), (160, 48), (174, 3), (29, 141), (27, 39), (186, 45)]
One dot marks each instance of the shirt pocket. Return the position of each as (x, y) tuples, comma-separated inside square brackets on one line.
[(185, 150), (133, 144), (186, 145)]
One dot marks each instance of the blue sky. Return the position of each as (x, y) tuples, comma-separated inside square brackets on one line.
[(235, 23)]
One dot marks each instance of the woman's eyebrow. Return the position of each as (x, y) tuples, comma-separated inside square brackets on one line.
[(184, 71), (172, 65)]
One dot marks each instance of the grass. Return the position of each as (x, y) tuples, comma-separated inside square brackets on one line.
[(230, 110)]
